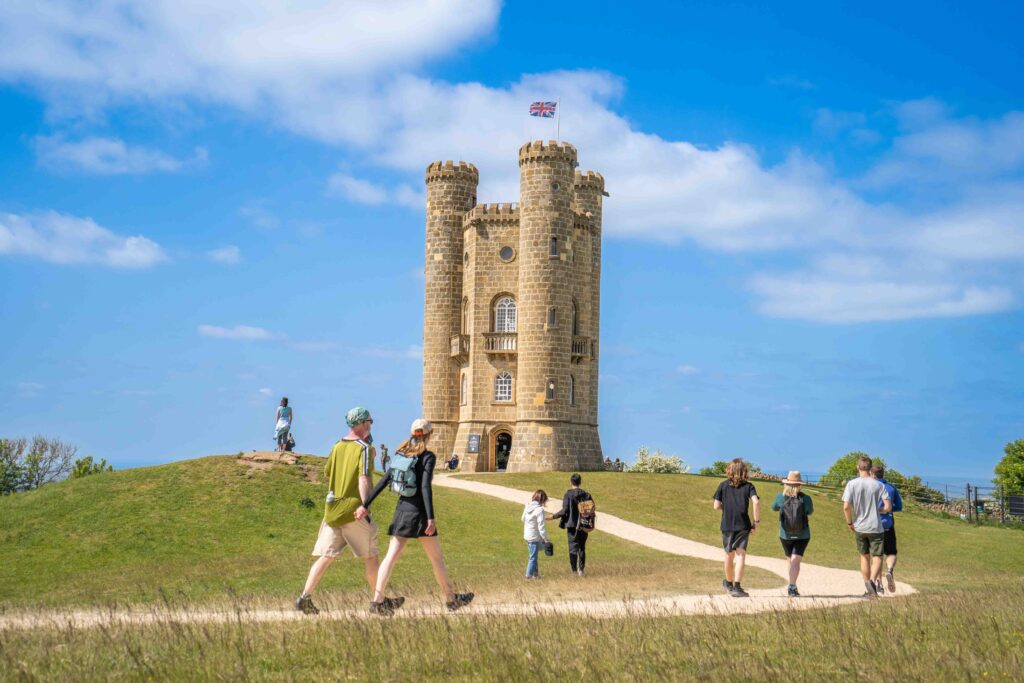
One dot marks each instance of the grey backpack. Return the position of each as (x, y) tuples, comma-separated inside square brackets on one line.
[(403, 475)]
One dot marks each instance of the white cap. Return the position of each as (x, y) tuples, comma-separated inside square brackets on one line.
[(421, 425)]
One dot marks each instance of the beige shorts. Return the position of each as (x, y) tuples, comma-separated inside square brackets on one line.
[(359, 535)]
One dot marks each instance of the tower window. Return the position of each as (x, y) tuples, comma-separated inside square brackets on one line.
[(553, 248), (506, 254), (549, 394), (505, 315), (572, 390), (552, 317), (575, 320), (503, 386)]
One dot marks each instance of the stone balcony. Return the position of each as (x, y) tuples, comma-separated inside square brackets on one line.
[(582, 348), (460, 345), (500, 343)]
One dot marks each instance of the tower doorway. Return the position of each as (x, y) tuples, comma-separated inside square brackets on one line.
[(502, 450)]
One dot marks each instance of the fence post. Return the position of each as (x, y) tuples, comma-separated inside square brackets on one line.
[(1002, 505), (968, 501)]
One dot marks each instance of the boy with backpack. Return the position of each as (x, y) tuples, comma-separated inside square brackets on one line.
[(733, 497), (793, 506), (578, 517)]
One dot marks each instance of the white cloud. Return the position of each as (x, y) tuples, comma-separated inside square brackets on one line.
[(266, 391), (107, 156), (314, 346), (237, 332), (59, 238), (408, 353), (358, 190), (687, 370), (260, 215), (229, 255)]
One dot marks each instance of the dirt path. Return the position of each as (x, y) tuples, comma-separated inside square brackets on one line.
[(821, 586)]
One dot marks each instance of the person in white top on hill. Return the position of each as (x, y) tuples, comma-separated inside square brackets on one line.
[(535, 532), (864, 502)]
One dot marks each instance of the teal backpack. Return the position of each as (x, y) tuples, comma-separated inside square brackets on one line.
[(403, 475)]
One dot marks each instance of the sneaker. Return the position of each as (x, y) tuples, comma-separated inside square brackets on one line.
[(738, 592), (793, 592), (580, 573), (870, 591), (461, 600), (890, 580), (878, 586), (382, 608), (305, 605), (727, 585)]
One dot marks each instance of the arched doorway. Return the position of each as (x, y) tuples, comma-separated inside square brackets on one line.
[(502, 449)]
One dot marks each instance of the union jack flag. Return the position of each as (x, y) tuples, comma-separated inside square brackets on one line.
[(545, 110)]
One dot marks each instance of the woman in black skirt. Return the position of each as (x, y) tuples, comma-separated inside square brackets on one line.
[(414, 518)]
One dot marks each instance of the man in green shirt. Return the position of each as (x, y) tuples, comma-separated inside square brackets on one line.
[(347, 473)]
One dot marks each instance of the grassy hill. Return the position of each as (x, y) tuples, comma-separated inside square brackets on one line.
[(216, 527), (935, 553)]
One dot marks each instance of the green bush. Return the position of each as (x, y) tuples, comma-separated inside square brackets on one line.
[(1010, 470), (717, 468), (658, 463), (85, 467), (912, 487)]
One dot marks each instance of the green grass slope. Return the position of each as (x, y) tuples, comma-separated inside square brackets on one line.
[(934, 553), (214, 527)]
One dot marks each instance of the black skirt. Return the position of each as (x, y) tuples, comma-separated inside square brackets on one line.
[(409, 522)]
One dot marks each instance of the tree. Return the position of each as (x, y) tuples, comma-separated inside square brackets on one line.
[(658, 463), (1010, 470), (845, 468), (718, 467), (25, 466), (85, 467)]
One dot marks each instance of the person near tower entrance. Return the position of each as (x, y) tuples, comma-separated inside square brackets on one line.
[(569, 519)]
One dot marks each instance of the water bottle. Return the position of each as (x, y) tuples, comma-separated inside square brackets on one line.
[(330, 496)]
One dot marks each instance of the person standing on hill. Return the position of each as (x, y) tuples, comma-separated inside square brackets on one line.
[(864, 501), (794, 507), (733, 497), (535, 532), (347, 472), (569, 519), (282, 424), (888, 529), (410, 475)]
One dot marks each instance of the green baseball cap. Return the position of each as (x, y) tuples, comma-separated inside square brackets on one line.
[(357, 415)]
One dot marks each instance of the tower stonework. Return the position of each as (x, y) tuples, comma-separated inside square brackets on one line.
[(511, 321)]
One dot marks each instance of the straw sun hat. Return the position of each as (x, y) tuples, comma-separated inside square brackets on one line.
[(793, 479)]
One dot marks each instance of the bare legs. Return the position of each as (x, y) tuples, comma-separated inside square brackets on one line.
[(316, 572), (432, 547), (794, 568), (870, 567), (735, 562)]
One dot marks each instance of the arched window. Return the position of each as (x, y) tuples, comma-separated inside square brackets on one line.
[(462, 394), (503, 386), (553, 247), (572, 390), (575, 321), (465, 316), (551, 389), (505, 315), (552, 317)]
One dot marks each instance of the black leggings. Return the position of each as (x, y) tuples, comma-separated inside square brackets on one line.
[(577, 549)]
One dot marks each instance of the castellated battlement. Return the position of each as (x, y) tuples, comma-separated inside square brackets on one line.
[(583, 219), (538, 150), (449, 170), (505, 212), (591, 180)]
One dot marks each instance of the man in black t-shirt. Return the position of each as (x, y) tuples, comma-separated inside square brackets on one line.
[(733, 497), (569, 519)]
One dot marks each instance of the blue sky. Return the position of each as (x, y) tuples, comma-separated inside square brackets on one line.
[(813, 242)]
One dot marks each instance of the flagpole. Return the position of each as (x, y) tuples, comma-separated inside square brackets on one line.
[(558, 120)]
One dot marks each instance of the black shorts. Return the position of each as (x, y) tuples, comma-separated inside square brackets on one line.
[(795, 546), (409, 524), (735, 540), (889, 542)]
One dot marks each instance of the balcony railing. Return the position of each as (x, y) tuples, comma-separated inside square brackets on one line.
[(500, 342), (582, 347), (460, 345)]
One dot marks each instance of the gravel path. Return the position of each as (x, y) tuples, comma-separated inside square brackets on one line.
[(821, 587)]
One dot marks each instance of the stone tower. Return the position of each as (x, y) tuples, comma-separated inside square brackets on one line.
[(512, 316)]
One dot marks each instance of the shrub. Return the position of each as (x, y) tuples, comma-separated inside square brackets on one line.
[(25, 466), (845, 469), (717, 468), (1010, 470), (85, 467), (658, 463)]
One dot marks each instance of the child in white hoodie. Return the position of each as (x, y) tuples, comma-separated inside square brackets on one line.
[(535, 533)]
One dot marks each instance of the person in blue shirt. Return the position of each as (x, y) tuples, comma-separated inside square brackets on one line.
[(888, 530)]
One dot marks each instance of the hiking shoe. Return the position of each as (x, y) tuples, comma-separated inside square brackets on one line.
[(394, 603), (382, 608), (890, 580), (727, 585), (461, 600), (878, 586), (870, 591), (793, 592), (305, 605), (738, 592)]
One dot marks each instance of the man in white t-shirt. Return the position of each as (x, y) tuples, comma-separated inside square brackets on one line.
[(864, 502)]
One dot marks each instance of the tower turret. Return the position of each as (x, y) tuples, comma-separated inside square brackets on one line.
[(451, 192), (589, 189)]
